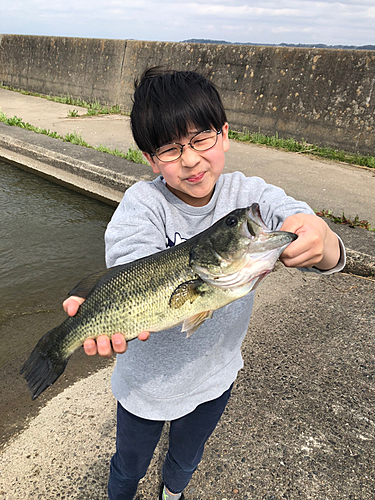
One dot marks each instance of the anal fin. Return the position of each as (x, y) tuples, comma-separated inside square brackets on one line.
[(192, 324)]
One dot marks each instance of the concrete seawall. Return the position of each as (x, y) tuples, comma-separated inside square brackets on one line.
[(323, 96)]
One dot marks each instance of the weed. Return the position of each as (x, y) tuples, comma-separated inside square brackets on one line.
[(93, 108), (75, 138), (303, 148), (73, 113), (132, 154), (136, 156), (356, 222)]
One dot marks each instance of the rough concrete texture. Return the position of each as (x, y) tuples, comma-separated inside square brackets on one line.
[(324, 96), (73, 167), (85, 68), (320, 95), (299, 424), (300, 421)]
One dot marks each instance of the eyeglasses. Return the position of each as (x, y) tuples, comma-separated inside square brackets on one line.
[(202, 141)]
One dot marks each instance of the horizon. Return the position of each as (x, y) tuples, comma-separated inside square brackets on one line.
[(348, 23)]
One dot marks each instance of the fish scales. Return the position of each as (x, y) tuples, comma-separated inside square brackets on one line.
[(183, 284), (136, 298)]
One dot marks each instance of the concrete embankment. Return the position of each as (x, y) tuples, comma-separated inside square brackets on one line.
[(322, 184), (300, 421), (323, 96)]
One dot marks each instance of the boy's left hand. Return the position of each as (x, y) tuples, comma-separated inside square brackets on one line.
[(316, 244)]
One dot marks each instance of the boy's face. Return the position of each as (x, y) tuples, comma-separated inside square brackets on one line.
[(193, 176)]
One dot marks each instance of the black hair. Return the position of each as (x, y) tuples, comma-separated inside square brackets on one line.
[(167, 104)]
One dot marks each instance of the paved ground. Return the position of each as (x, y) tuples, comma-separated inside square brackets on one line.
[(300, 423), (322, 184)]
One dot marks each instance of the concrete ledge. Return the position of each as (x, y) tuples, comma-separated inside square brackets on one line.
[(106, 177), (91, 172), (73, 181), (359, 263)]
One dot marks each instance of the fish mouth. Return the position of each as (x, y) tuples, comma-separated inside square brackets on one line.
[(256, 256), (256, 230)]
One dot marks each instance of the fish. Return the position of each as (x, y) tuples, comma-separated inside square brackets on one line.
[(183, 284)]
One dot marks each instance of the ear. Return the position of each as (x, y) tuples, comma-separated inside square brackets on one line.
[(225, 131), (151, 161)]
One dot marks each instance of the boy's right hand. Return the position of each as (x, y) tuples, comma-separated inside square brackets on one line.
[(102, 345)]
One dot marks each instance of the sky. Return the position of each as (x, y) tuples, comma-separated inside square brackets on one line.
[(347, 22)]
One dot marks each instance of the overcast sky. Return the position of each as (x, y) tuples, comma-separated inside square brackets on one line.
[(347, 22)]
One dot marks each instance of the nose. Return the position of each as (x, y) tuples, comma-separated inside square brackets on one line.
[(189, 157)]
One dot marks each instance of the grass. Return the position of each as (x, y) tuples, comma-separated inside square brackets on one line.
[(132, 154), (93, 108), (303, 148), (356, 222)]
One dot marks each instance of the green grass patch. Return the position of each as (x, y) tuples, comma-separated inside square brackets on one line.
[(93, 108), (303, 148), (133, 154), (342, 219), (292, 145)]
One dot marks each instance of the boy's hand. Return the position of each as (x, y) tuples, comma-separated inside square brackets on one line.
[(102, 345), (316, 245)]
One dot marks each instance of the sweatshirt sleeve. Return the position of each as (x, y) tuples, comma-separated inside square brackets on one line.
[(275, 206), (137, 228)]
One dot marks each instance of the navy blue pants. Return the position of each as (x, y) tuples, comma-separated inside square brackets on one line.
[(137, 438)]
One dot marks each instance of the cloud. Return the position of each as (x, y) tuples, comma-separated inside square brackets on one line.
[(292, 21)]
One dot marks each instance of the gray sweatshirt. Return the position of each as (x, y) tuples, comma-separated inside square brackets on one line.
[(170, 375)]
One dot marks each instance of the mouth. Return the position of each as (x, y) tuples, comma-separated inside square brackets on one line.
[(195, 178)]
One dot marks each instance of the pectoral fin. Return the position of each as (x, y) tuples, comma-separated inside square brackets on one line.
[(190, 290), (192, 324)]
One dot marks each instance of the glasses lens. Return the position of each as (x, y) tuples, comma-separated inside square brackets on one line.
[(200, 142), (169, 152), (204, 140)]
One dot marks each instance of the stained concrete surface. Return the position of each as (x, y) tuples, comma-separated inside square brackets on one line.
[(300, 422)]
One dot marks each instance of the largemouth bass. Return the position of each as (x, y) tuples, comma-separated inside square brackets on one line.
[(183, 284)]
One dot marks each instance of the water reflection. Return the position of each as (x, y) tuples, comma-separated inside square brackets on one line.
[(50, 238)]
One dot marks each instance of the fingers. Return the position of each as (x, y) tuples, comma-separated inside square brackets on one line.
[(119, 344), (103, 345), (144, 336), (89, 347), (106, 347), (308, 249), (71, 305)]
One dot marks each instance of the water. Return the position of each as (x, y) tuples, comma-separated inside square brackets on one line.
[(50, 237)]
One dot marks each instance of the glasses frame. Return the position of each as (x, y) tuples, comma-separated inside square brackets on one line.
[(181, 146)]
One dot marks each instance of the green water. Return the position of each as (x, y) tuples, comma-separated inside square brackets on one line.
[(50, 238)]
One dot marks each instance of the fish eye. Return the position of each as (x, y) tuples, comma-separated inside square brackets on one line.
[(231, 220)]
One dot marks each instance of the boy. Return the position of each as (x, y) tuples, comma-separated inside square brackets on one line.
[(179, 123)]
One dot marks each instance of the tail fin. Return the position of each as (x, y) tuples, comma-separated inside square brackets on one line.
[(44, 365)]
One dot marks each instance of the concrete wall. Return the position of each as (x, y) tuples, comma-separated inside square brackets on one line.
[(324, 96)]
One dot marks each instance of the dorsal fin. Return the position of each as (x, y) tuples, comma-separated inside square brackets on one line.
[(84, 287)]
